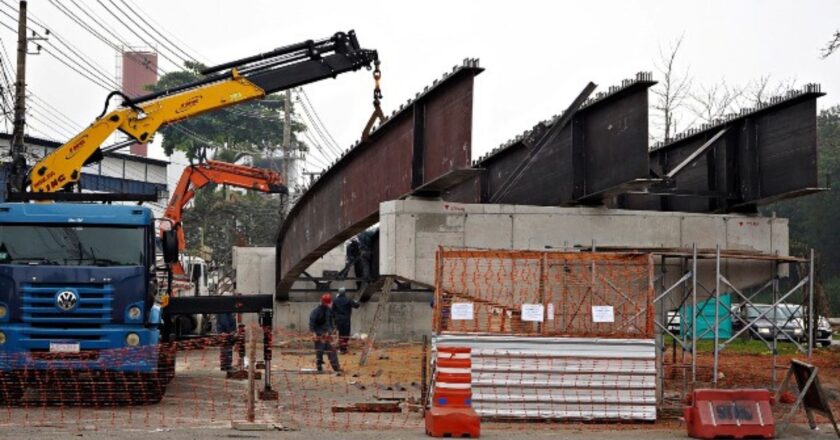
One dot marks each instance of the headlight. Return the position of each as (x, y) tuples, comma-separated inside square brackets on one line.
[(2, 338), (134, 312), (132, 340), (797, 331), (764, 331), (3, 312)]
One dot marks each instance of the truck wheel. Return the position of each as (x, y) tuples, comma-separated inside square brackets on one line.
[(166, 362), (11, 389), (146, 389)]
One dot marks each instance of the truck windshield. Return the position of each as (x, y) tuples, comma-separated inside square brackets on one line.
[(71, 245)]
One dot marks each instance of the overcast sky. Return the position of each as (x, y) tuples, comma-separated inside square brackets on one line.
[(538, 55)]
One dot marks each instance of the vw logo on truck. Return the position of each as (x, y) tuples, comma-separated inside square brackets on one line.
[(66, 300)]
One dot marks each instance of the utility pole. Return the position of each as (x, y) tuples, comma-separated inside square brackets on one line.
[(17, 172), (17, 148), (287, 149)]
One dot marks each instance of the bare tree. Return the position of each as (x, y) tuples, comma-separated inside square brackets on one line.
[(761, 90), (832, 45), (672, 90), (713, 102)]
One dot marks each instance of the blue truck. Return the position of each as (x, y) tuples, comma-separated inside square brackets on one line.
[(79, 301)]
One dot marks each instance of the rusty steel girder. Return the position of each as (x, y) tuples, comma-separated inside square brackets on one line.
[(429, 138), (574, 159), (739, 162)]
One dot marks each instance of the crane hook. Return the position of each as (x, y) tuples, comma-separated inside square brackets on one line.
[(377, 110)]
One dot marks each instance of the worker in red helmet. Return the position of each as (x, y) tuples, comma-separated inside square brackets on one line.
[(322, 326)]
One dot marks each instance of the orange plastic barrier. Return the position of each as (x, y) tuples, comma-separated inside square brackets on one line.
[(451, 414), (730, 414)]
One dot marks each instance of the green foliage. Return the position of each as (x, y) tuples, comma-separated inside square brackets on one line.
[(220, 218), (255, 126), (814, 219)]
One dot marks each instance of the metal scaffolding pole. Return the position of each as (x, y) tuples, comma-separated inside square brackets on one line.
[(811, 305), (694, 314), (775, 340), (717, 315)]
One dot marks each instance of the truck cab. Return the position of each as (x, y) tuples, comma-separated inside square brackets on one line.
[(78, 293)]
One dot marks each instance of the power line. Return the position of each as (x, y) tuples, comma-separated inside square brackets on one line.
[(57, 125), (157, 26), (306, 97), (134, 32), (335, 150), (149, 26), (96, 19), (58, 113), (76, 52)]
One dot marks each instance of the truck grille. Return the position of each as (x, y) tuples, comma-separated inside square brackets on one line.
[(84, 323)]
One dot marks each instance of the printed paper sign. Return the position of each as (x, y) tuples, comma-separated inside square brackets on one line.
[(533, 312), (603, 314), (549, 312), (462, 311)]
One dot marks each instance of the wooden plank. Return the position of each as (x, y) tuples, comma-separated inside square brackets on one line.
[(375, 407)]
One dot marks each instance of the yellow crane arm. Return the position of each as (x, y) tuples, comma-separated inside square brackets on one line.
[(64, 166), (221, 86)]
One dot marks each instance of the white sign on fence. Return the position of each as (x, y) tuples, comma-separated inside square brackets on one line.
[(549, 312), (462, 311), (603, 314), (533, 312)]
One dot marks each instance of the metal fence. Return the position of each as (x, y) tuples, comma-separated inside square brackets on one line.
[(584, 294), (527, 377)]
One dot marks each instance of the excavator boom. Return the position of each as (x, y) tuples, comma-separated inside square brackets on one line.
[(197, 176)]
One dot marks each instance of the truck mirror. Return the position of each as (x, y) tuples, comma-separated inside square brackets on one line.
[(170, 247)]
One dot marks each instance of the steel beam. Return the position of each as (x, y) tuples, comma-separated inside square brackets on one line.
[(603, 146), (427, 138), (751, 158)]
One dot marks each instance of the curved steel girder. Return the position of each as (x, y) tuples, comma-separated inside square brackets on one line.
[(427, 138)]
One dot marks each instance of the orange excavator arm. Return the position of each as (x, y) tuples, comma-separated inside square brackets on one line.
[(197, 176)]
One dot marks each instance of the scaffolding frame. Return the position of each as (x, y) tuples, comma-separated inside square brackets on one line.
[(685, 292)]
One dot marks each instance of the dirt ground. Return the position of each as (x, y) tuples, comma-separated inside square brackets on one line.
[(200, 401)]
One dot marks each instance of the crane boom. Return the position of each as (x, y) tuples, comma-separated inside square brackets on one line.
[(223, 86), (197, 176)]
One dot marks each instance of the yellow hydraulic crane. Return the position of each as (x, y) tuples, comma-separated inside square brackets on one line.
[(224, 85)]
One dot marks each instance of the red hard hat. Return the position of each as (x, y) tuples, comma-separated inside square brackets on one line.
[(326, 299)]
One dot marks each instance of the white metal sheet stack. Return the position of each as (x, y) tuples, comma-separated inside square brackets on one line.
[(526, 377)]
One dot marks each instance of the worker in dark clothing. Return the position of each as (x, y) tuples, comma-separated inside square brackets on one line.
[(343, 311), (226, 327), (322, 326)]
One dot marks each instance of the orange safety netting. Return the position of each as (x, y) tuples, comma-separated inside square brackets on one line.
[(544, 293), (190, 390)]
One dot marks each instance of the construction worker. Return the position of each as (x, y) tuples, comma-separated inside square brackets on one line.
[(343, 311), (322, 326), (226, 327)]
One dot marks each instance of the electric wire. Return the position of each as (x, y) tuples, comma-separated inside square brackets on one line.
[(77, 57), (148, 26), (335, 150), (318, 118), (177, 62), (157, 26)]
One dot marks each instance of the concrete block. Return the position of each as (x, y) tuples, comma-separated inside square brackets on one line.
[(702, 231), (538, 228), (476, 225)]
